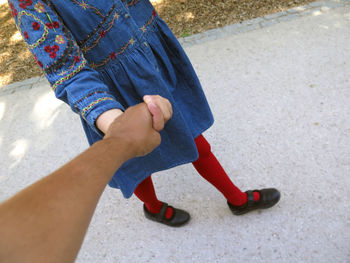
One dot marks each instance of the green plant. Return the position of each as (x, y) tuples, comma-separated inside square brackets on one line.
[(186, 33)]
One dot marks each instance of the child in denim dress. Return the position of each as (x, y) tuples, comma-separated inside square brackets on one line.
[(103, 56)]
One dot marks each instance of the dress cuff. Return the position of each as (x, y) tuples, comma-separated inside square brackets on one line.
[(93, 105)]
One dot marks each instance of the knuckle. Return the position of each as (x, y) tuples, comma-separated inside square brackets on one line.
[(156, 99)]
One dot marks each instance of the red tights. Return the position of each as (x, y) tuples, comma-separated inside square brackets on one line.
[(209, 168)]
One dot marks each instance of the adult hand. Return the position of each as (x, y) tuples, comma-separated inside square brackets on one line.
[(35, 233), (134, 127), (160, 109)]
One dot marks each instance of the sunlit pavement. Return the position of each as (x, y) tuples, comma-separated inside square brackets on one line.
[(281, 99)]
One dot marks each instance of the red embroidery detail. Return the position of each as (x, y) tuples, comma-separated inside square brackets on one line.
[(47, 49), (36, 26), (86, 48), (60, 62), (113, 55), (52, 50), (53, 25), (133, 2), (56, 24), (38, 62), (85, 6), (82, 42), (65, 56), (23, 5), (49, 25), (13, 10), (76, 59), (154, 14), (55, 48), (53, 55), (102, 33), (26, 36), (29, 2)]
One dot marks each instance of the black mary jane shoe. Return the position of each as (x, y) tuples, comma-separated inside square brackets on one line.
[(268, 198), (179, 217)]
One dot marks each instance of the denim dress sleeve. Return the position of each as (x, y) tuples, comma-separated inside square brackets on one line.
[(57, 53)]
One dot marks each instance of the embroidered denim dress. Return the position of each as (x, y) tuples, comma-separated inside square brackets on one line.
[(104, 54)]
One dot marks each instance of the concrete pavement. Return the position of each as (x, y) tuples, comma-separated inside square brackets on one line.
[(280, 96)]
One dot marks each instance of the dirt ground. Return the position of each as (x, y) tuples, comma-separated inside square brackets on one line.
[(184, 17)]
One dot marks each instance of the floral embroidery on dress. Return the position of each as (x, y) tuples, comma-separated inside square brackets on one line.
[(60, 39), (14, 12), (59, 63), (85, 46), (154, 14), (76, 60), (52, 50), (82, 42), (56, 50), (101, 35), (67, 54), (25, 3), (113, 55), (55, 24), (39, 7), (69, 76), (36, 26), (85, 6), (133, 2)]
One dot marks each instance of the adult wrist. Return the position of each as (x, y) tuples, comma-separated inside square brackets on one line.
[(115, 146)]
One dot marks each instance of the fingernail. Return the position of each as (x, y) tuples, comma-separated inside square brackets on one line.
[(147, 99)]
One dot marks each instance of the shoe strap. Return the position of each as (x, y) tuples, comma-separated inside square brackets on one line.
[(250, 197), (161, 214)]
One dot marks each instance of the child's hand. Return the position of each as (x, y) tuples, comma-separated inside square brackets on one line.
[(105, 119), (160, 109)]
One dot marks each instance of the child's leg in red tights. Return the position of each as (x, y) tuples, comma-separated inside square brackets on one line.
[(209, 168), (145, 192)]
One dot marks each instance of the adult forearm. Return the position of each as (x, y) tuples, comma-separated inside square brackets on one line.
[(47, 221)]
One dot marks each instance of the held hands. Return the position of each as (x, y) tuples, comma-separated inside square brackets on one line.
[(160, 108), (139, 125), (134, 128)]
